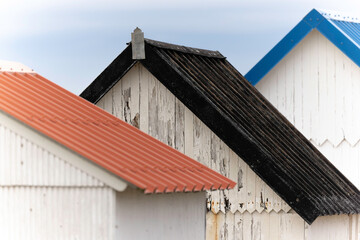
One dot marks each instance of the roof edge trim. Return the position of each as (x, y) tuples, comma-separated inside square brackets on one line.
[(282, 48), (313, 20)]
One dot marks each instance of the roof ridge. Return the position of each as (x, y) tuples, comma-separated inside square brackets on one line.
[(339, 16), (185, 49)]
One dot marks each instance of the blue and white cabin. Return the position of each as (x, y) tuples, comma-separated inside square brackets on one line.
[(313, 77)]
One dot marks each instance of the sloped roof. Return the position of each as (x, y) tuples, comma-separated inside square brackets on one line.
[(342, 30), (100, 137), (234, 110)]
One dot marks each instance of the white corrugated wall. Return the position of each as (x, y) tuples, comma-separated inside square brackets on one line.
[(317, 88), (174, 216), (43, 196)]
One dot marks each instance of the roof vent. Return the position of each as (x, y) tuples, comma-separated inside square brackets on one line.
[(138, 44)]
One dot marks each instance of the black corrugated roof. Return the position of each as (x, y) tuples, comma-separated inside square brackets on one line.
[(234, 110)]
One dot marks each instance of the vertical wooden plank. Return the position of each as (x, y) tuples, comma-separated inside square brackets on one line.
[(313, 90), (250, 197), (215, 161), (144, 98), (166, 118), (274, 225), (230, 222), (247, 226), (289, 86), (355, 80), (298, 88), (256, 226), (242, 186), (322, 93), (108, 101), (211, 226), (339, 99), (307, 84), (239, 224), (118, 101), (152, 107), (130, 96), (281, 83), (233, 175), (331, 91), (189, 133), (222, 227), (180, 126)]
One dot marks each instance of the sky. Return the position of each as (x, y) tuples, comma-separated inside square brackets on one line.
[(72, 42)]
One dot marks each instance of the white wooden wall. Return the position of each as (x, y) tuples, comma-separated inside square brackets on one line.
[(175, 216), (141, 100), (43, 196), (317, 88)]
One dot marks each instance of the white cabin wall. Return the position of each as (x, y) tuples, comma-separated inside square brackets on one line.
[(43, 195), (156, 111), (174, 216), (43, 213), (321, 99), (317, 88)]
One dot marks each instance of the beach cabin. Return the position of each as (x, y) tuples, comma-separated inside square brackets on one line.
[(195, 101)]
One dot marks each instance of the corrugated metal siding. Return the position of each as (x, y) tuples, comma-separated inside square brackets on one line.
[(100, 137), (24, 163), (176, 216), (44, 213), (317, 88), (164, 117)]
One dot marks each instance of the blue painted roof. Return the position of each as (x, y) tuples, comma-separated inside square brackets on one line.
[(343, 31)]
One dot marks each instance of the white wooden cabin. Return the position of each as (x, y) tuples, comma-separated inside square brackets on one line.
[(156, 91), (57, 180), (312, 76)]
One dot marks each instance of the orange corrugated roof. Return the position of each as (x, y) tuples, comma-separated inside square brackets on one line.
[(102, 138)]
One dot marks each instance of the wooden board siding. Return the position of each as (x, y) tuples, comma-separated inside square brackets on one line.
[(168, 120), (164, 117), (174, 216), (280, 226), (317, 88)]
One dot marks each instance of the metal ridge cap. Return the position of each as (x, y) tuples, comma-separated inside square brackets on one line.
[(339, 16), (10, 66), (185, 49)]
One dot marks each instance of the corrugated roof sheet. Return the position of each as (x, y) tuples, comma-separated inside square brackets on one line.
[(351, 29), (342, 30), (233, 109), (102, 138)]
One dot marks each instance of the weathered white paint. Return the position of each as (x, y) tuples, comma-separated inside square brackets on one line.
[(319, 94), (42, 213), (140, 98), (28, 158), (160, 216), (167, 119)]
